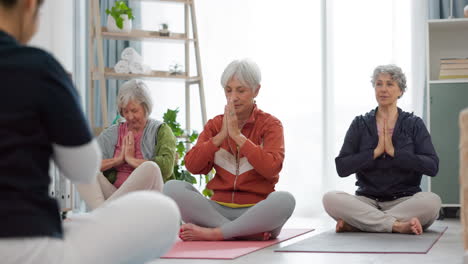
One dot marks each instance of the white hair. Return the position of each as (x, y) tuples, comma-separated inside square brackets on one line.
[(245, 71), (137, 91)]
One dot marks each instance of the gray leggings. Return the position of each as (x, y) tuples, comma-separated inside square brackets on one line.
[(268, 215)]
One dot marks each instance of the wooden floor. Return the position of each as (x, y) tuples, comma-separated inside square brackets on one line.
[(448, 250)]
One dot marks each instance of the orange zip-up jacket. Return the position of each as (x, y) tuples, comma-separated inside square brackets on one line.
[(245, 175)]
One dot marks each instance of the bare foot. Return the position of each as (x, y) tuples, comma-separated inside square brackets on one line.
[(413, 226), (342, 226), (191, 232), (256, 237)]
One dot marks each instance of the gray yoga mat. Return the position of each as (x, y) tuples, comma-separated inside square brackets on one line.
[(359, 242)]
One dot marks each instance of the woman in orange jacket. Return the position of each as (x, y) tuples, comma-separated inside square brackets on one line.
[(246, 148)]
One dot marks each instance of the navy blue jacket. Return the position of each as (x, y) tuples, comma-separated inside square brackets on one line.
[(39, 108), (386, 176)]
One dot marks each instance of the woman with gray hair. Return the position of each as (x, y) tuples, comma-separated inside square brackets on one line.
[(389, 150), (246, 148), (138, 154)]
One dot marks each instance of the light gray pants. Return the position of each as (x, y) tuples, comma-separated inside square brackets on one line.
[(371, 216), (268, 215)]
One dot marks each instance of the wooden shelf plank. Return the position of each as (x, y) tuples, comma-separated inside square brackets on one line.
[(170, 1), (138, 34), (109, 73), (448, 24)]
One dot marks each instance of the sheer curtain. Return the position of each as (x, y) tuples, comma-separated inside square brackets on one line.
[(112, 50), (287, 39), (284, 39), (362, 35)]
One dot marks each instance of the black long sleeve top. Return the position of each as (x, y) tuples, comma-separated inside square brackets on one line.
[(40, 108), (386, 176)]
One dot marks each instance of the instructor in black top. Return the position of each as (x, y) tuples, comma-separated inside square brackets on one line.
[(389, 150), (40, 120)]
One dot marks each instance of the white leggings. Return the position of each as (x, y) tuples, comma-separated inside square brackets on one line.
[(135, 228), (147, 176)]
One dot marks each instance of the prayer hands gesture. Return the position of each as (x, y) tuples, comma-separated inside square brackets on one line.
[(230, 126), (385, 144), (126, 155), (231, 120), (129, 144), (128, 149)]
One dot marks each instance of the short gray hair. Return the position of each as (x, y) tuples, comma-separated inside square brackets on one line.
[(394, 71), (137, 91), (245, 71)]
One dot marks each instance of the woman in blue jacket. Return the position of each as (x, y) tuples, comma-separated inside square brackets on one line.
[(389, 150), (40, 120)]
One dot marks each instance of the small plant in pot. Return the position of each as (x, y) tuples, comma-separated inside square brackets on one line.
[(176, 69), (119, 18), (164, 30)]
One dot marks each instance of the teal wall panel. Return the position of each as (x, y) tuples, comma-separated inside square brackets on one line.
[(446, 102)]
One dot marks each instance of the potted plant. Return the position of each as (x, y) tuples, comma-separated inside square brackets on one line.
[(170, 118), (164, 30), (176, 68), (119, 18)]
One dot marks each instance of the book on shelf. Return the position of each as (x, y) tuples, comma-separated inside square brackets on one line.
[(450, 77), (454, 72), (453, 60), (448, 66), (453, 68)]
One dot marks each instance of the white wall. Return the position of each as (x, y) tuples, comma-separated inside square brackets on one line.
[(286, 46), (55, 32)]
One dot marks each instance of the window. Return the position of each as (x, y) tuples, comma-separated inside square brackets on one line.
[(285, 38)]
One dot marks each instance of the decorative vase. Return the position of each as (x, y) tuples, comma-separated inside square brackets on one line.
[(466, 11), (112, 26)]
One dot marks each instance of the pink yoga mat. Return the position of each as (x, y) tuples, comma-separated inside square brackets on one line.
[(226, 249)]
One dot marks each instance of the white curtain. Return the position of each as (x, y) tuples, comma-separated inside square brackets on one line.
[(284, 38)]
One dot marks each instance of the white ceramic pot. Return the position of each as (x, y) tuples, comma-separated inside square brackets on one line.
[(112, 26), (164, 32)]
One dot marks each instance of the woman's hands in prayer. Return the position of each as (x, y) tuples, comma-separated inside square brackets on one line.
[(385, 144), (129, 144), (230, 126)]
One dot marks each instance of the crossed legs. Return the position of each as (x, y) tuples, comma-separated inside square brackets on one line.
[(147, 176), (410, 214), (208, 220)]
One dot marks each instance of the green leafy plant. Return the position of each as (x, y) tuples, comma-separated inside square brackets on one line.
[(164, 30), (164, 26), (120, 8), (184, 139)]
